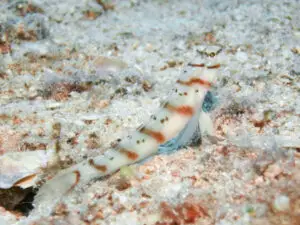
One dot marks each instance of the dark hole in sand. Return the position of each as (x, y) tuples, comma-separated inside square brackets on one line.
[(26, 205), (17, 199)]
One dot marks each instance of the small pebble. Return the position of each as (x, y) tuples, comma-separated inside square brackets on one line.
[(149, 47), (272, 171), (281, 203), (241, 56)]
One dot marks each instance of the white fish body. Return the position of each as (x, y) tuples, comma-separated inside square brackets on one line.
[(183, 105)]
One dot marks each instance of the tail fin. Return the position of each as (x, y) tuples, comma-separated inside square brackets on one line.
[(54, 190)]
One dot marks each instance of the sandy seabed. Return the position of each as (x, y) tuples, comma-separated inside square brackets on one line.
[(90, 71)]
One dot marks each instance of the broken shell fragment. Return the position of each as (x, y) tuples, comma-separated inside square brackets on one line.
[(21, 168), (112, 65)]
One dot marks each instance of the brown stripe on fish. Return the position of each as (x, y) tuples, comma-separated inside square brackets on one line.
[(214, 66), (24, 180), (77, 174), (159, 137), (196, 65), (183, 110), (102, 168), (130, 154), (195, 80)]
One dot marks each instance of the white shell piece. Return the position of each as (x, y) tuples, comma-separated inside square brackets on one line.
[(91, 117), (264, 141), (17, 165), (53, 105), (109, 64)]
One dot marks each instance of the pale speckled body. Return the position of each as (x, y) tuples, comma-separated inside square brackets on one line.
[(183, 105)]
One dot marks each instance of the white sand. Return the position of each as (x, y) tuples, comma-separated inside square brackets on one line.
[(248, 175)]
